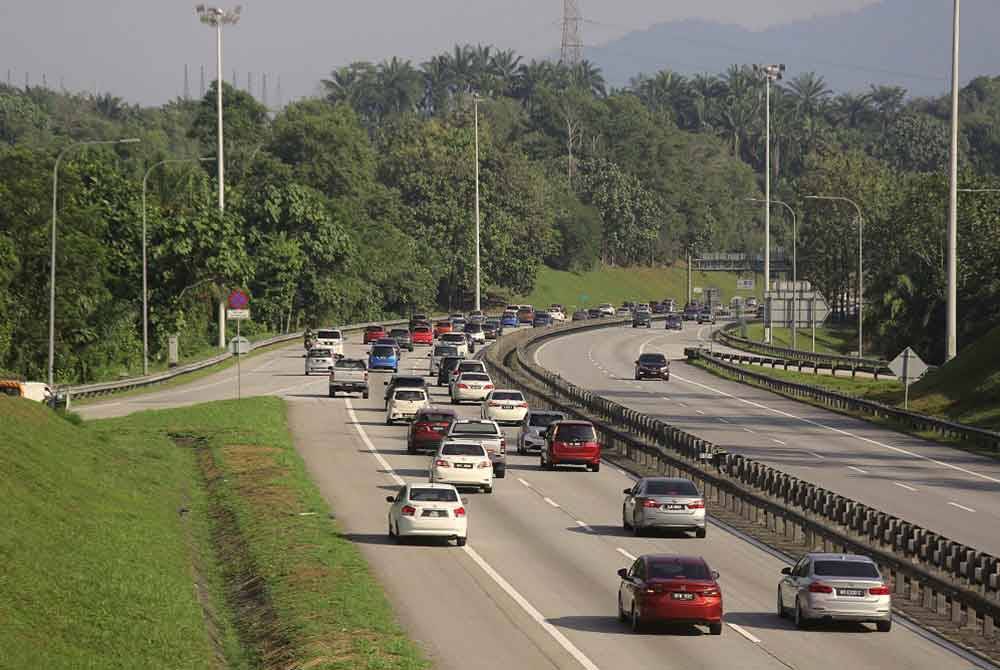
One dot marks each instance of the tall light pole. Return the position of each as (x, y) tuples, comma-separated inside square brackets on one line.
[(145, 292), (951, 335), (475, 105), (52, 262), (795, 267), (768, 73), (860, 262)]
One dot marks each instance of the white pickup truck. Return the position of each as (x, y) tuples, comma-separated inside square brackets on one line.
[(349, 375)]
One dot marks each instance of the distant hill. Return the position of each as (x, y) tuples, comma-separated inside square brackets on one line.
[(896, 42)]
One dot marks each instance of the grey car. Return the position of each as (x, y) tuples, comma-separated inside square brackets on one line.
[(664, 502), (535, 422), (835, 587)]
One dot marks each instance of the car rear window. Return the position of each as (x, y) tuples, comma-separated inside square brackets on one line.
[(473, 328), (436, 417), (445, 350), (409, 381), (475, 428), (450, 362), (350, 364), (543, 419), (508, 395), (471, 366), (453, 337), (666, 568), (383, 350), (653, 359), (421, 329), (374, 329), (576, 433), (399, 333), (407, 394), (328, 334), (433, 495), (463, 450), (661, 488), (319, 353), (861, 569), (475, 377)]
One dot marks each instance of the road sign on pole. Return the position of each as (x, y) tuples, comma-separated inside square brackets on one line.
[(908, 367), (238, 299), (237, 314)]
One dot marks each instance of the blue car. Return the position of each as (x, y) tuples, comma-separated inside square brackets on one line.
[(509, 320), (383, 357), (541, 319)]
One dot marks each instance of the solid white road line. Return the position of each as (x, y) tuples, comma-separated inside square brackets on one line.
[(744, 632), (524, 482), (529, 609), (551, 502), (777, 441), (864, 472), (625, 553), (967, 509), (904, 486)]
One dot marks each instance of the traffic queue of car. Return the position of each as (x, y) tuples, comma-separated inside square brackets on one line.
[(471, 454)]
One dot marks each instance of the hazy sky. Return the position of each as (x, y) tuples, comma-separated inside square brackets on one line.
[(138, 48)]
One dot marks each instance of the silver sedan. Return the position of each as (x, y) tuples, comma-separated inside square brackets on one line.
[(664, 502), (835, 587)]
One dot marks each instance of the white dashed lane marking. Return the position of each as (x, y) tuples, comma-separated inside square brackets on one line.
[(963, 507), (625, 553), (904, 486)]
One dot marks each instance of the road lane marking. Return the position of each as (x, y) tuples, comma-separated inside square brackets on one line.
[(665, 398), (904, 486), (777, 441), (625, 553), (843, 432), (681, 404), (822, 458), (744, 632), (556, 634), (723, 420), (524, 482), (551, 502), (699, 411), (748, 430), (583, 525), (856, 469), (967, 509)]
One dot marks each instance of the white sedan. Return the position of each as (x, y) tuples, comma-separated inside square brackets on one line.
[(505, 406), (470, 387), (428, 510), (462, 464)]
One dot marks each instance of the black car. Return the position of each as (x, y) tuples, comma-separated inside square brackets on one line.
[(643, 319), (691, 311), (652, 365), (541, 320), (402, 381), (595, 313), (660, 308), (492, 329), (447, 364), (580, 315), (674, 322), (403, 337)]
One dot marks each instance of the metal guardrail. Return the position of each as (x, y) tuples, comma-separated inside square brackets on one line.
[(105, 388), (839, 401), (925, 568), (800, 358)]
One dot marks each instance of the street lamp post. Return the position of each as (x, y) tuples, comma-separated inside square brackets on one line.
[(52, 262), (218, 17), (795, 268), (475, 105), (860, 261), (951, 336), (145, 292), (769, 73)]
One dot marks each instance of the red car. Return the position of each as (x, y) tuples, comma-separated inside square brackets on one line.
[(442, 327), (423, 335), (429, 428), (571, 443), (666, 588), (373, 333)]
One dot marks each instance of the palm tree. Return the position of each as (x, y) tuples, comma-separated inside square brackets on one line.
[(437, 83), (530, 78), (852, 110), (505, 66), (706, 90), (810, 93), (461, 66), (401, 86), (587, 76), (888, 102)]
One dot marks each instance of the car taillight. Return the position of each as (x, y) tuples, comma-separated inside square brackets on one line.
[(494, 403), (483, 464), (711, 593), (879, 590), (463, 386), (441, 463), (650, 503), (818, 587), (408, 510), (697, 504), (459, 511), (488, 386), (522, 404)]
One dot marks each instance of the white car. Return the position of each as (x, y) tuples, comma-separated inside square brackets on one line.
[(470, 387), (557, 314), (405, 403), (428, 510), (462, 463), (607, 309), (505, 406), (458, 340), (319, 360), (439, 352), (465, 366), (475, 333), (330, 338)]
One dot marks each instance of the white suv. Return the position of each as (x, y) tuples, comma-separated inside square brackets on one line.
[(405, 403)]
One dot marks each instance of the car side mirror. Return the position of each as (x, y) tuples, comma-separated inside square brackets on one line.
[(391, 499), (385, 383), (623, 573), (786, 570), (715, 574), (627, 491)]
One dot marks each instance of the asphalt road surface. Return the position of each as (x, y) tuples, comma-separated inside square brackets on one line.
[(536, 585)]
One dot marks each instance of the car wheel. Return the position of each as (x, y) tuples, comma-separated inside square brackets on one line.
[(394, 535), (307, 373), (637, 528), (333, 394), (501, 473), (487, 489), (388, 421), (460, 541), (701, 532), (636, 621), (365, 395), (596, 467), (883, 626), (800, 621), (625, 524), (715, 628), (410, 449), (780, 606), (667, 378), (621, 612)]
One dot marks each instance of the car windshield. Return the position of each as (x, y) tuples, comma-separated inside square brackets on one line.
[(456, 449), (473, 328), (433, 495), (412, 396), (383, 350), (653, 359), (543, 419), (508, 395), (328, 334), (576, 433), (493, 322), (670, 488), (666, 568), (475, 377), (421, 329), (399, 333), (861, 569), (475, 428), (445, 350), (350, 364), (435, 417), (453, 337), (319, 353)]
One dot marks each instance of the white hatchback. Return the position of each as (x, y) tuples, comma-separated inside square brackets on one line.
[(505, 406), (462, 464), (428, 510), (470, 387), (405, 403), (458, 340), (320, 360)]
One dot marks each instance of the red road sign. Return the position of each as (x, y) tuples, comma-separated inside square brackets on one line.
[(238, 300)]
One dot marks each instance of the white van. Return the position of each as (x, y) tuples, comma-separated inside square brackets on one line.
[(37, 391), (330, 338)]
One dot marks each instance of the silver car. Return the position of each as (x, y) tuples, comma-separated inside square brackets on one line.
[(835, 587), (530, 438), (319, 360), (664, 502)]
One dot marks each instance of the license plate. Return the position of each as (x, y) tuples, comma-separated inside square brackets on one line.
[(437, 429), (857, 593), (508, 407), (435, 513), (682, 596), (673, 507), (474, 387), (463, 465)]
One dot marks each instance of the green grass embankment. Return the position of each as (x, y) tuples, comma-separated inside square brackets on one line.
[(839, 340), (188, 538)]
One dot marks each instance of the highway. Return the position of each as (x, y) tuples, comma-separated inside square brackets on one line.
[(536, 585), (940, 488)]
